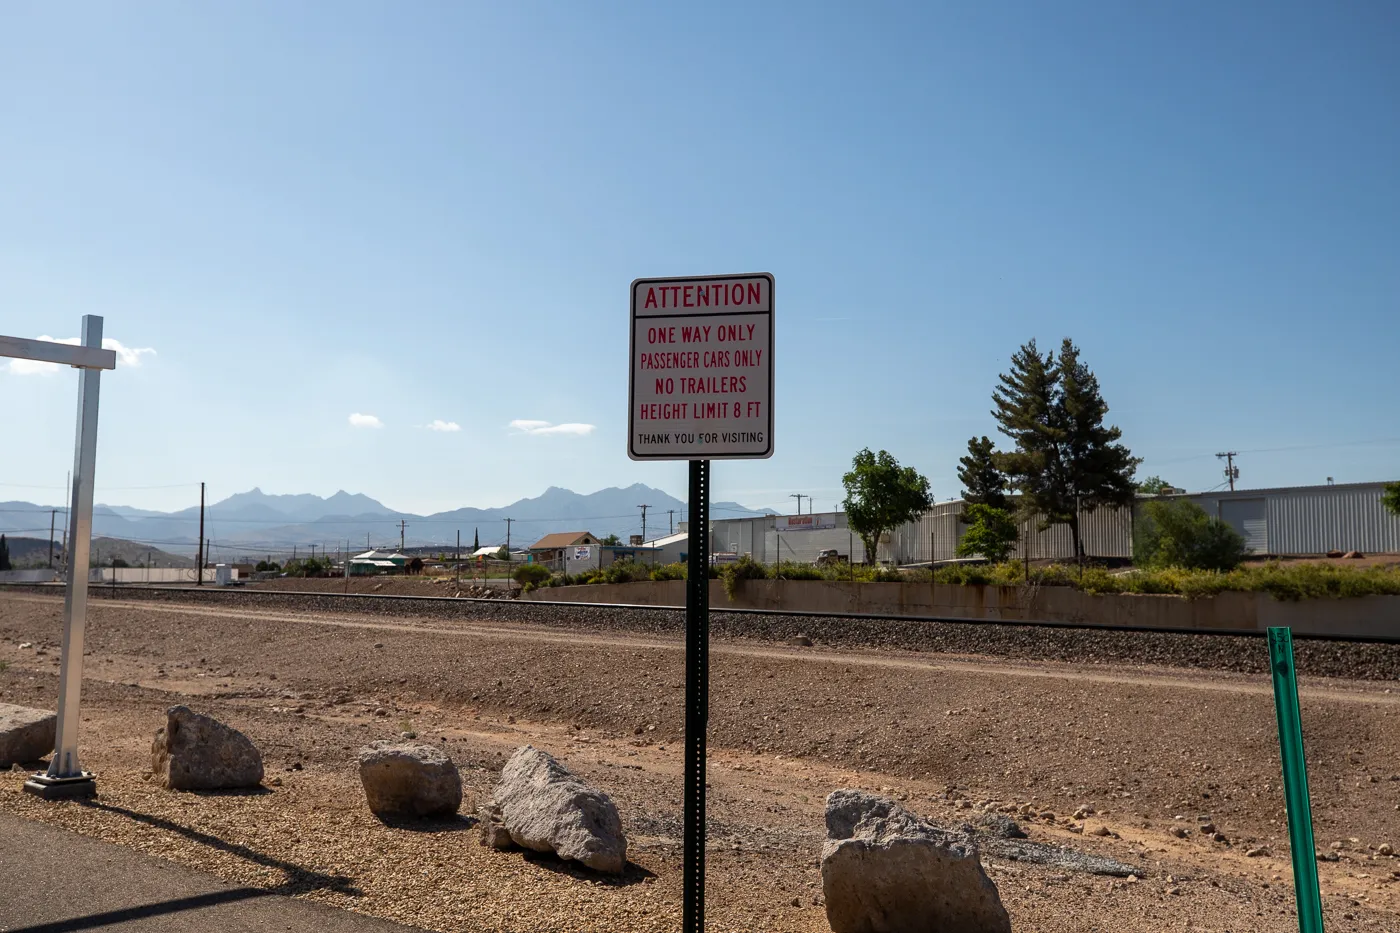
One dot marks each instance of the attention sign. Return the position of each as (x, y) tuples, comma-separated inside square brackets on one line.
[(702, 368)]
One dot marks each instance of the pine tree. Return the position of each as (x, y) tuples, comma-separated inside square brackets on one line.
[(476, 541), (4, 553), (1066, 461), (983, 483)]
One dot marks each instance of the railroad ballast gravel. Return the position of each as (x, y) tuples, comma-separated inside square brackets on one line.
[(1203, 651)]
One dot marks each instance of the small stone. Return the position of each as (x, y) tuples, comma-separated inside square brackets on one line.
[(381, 711), (800, 641), (379, 644), (1208, 829), (1083, 812), (1385, 848), (276, 782), (1101, 830), (1173, 891), (1077, 828), (1256, 851), (1132, 879), (797, 902), (1219, 837), (1179, 832)]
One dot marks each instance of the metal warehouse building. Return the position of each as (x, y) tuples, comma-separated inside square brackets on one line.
[(1295, 520)]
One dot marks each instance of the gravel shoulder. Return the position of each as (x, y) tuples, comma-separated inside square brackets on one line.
[(1139, 744)]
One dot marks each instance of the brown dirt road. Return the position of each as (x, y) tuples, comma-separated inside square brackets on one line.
[(1139, 746)]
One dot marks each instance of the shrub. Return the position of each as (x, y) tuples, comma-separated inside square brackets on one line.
[(1391, 498), (1177, 533), (745, 568), (991, 533), (674, 571), (530, 576)]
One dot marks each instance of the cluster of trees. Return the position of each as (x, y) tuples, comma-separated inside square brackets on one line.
[(268, 566), (1391, 498), (1063, 461)]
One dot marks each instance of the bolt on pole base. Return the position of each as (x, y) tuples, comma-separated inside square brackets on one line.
[(62, 788)]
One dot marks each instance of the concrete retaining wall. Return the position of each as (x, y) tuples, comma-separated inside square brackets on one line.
[(1365, 617)]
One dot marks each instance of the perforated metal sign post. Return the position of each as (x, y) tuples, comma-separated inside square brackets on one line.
[(701, 388), (1295, 781), (65, 777)]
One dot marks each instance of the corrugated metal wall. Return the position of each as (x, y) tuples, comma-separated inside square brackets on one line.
[(1318, 519), (1106, 533), (1299, 520)]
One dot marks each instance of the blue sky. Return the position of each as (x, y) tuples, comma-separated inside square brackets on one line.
[(431, 213)]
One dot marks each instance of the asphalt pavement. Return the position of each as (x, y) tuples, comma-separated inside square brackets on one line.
[(55, 881)]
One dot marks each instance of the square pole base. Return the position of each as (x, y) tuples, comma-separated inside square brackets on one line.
[(65, 788)]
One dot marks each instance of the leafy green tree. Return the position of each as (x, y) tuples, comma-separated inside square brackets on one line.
[(1391, 498), (1179, 533), (4, 554), (611, 541), (1066, 460), (991, 533), (983, 483), (1153, 486), (881, 495), (503, 553)]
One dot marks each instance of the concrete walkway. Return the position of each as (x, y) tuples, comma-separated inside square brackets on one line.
[(54, 881)]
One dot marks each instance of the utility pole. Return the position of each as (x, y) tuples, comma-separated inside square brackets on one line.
[(1232, 472), (402, 526), (671, 521), (799, 497), (644, 522), (508, 521), (313, 552), (52, 514), (457, 561), (199, 549)]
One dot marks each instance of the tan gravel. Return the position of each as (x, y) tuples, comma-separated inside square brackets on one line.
[(1136, 746)]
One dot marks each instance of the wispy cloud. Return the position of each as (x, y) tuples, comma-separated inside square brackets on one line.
[(126, 356), (358, 420), (525, 426), (437, 424)]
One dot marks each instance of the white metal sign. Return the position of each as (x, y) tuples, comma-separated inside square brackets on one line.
[(818, 522), (583, 553), (702, 368)]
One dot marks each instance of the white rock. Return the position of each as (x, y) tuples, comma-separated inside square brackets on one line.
[(25, 734), (406, 780), (540, 805), (885, 870), (197, 752)]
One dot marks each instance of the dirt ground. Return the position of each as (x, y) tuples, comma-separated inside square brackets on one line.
[(1148, 750)]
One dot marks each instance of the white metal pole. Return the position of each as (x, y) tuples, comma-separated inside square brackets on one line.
[(65, 777)]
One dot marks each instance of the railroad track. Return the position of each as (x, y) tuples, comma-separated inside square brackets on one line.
[(1032, 641)]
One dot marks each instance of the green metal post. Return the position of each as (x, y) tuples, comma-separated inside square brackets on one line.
[(1295, 781)]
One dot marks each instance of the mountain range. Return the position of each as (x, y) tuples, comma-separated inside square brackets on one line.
[(254, 521)]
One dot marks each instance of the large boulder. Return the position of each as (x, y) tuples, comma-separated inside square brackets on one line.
[(884, 870), (540, 805), (409, 781), (197, 752), (25, 734)]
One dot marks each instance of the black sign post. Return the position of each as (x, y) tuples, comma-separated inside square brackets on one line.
[(697, 696), (700, 389)]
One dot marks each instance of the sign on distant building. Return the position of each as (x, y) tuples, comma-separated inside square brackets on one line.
[(702, 368), (583, 553), (805, 522)]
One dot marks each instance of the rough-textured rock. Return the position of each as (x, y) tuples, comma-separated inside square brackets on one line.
[(540, 805), (25, 734), (197, 752), (406, 780), (884, 870)]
